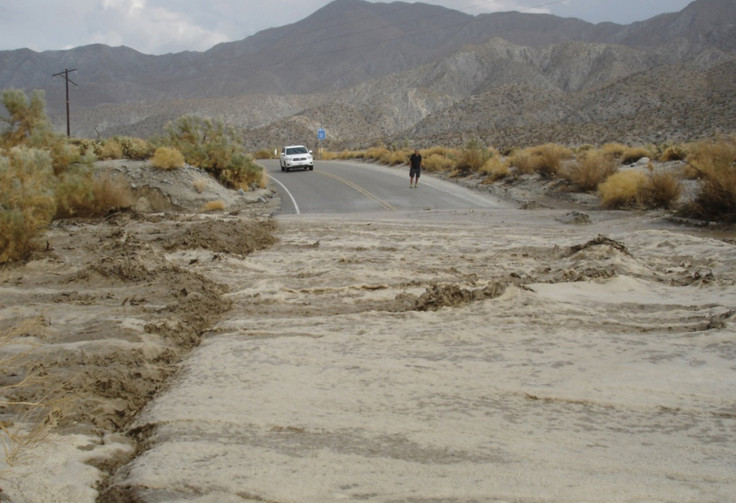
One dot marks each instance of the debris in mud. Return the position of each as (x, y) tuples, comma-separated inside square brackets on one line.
[(238, 237), (599, 241), (575, 218), (436, 296)]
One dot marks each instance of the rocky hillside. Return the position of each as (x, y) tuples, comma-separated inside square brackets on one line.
[(354, 69)]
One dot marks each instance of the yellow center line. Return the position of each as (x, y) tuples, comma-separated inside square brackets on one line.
[(359, 189)]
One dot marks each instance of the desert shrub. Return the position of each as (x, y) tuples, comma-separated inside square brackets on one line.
[(633, 154), (662, 190), (111, 149), (471, 158), (73, 192), (396, 157), (590, 169), (715, 164), (88, 146), (214, 147), (439, 151), (615, 150), (134, 148), (524, 161), (437, 162), (27, 202), (551, 156), (545, 160), (376, 153), (390, 157), (167, 158), (28, 125), (110, 192), (242, 173), (80, 192), (352, 154), (470, 161), (673, 153), (27, 122), (623, 189), (495, 168), (214, 206)]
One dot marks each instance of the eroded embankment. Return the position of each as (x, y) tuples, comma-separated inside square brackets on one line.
[(96, 325)]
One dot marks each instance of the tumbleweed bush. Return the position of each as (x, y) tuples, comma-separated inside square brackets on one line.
[(663, 189), (167, 158), (623, 189), (590, 169)]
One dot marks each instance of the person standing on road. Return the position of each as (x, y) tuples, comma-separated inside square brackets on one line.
[(415, 168)]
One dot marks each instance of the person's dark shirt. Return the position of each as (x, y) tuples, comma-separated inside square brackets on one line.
[(416, 161)]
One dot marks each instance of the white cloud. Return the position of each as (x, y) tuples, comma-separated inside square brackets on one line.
[(149, 29)]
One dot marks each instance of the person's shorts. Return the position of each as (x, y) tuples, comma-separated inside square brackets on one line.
[(414, 172)]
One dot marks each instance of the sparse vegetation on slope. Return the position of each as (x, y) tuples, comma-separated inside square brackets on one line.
[(214, 147)]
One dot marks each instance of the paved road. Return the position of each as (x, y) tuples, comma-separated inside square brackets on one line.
[(351, 187)]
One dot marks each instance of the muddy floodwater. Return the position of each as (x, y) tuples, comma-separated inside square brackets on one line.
[(463, 356)]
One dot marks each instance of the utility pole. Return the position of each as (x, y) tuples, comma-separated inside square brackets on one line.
[(65, 74)]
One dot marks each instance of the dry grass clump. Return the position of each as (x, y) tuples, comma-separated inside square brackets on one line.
[(470, 160), (545, 160), (633, 154), (623, 189), (673, 153), (82, 193), (663, 189), (73, 192), (199, 185), (134, 148), (387, 156), (218, 205), (495, 168), (167, 158), (35, 418), (715, 164), (439, 151), (615, 150), (109, 192), (637, 188), (437, 163), (626, 154), (590, 169), (111, 149)]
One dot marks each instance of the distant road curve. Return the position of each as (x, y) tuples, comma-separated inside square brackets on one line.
[(352, 187)]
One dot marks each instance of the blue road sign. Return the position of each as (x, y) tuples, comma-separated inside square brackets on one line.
[(320, 134)]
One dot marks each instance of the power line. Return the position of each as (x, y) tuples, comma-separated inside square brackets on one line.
[(65, 74)]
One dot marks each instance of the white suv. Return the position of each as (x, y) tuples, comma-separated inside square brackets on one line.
[(296, 156)]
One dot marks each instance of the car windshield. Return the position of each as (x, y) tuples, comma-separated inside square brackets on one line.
[(296, 150)]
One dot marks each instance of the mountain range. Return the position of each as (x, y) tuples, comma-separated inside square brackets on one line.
[(414, 73)]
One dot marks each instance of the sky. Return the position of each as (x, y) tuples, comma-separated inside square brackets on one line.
[(166, 26)]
